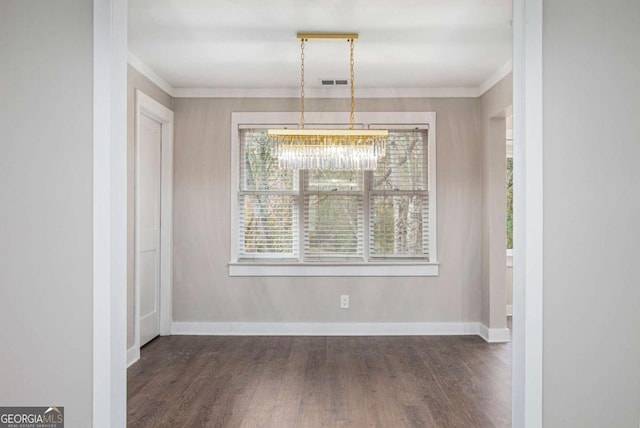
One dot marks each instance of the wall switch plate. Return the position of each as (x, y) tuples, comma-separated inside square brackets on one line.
[(344, 301)]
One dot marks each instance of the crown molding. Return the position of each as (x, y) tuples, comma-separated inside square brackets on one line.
[(468, 92), (500, 74), (147, 72), (325, 93)]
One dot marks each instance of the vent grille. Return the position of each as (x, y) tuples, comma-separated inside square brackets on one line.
[(334, 82)]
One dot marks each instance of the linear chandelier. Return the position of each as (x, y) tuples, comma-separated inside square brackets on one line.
[(333, 149)]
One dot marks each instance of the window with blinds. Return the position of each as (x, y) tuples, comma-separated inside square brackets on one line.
[(399, 204), (333, 206), (267, 201), (321, 215)]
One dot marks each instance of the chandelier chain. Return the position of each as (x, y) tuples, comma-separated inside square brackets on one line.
[(328, 149), (302, 83), (353, 101)]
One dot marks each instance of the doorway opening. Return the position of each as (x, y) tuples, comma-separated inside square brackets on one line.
[(153, 222)]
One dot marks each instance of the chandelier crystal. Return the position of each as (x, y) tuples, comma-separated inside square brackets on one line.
[(332, 149)]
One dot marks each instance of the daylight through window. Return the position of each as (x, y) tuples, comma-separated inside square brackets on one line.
[(320, 216)]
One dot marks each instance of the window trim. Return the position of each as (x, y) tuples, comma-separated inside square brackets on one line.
[(372, 120), (266, 268)]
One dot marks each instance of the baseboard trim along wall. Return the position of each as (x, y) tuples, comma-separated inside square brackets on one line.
[(133, 355), (340, 329), (494, 335)]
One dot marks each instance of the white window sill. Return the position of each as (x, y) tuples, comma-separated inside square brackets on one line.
[(333, 269)]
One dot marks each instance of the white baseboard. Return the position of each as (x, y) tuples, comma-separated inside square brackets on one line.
[(325, 329), (133, 355), (494, 335), (509, 310)]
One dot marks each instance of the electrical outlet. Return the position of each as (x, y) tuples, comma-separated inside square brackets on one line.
[(344, 301)]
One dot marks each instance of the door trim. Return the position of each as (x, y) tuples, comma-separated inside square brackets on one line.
[(109, 380), (158, 112), (527, 344)]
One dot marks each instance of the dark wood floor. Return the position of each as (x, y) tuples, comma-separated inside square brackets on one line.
[(432, 381)]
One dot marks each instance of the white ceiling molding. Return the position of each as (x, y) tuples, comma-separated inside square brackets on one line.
[(333, 92), (500, 74), (147, 72), (325, 93)]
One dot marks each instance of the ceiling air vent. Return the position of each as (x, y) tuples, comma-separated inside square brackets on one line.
[(334, 82)]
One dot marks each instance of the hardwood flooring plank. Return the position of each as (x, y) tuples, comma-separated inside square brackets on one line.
[(456, 383), (398, 354), (268, 383), (289, 397), (308, 382)]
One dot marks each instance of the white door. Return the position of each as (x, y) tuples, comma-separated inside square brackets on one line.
[(148, 190)]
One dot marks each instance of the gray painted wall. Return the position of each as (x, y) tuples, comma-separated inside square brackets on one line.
[(203, 291), (591, 137), (46, 206), (135, 80)]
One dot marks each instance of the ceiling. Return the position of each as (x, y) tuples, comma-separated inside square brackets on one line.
[(242, 44)]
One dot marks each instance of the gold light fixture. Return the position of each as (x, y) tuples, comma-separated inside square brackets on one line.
[(334, 149)]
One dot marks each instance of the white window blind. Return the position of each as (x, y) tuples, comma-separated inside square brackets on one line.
[(267, 201), (321, 215), (399, 203), (333, 214)]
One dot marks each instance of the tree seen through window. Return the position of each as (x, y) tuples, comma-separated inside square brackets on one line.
[(332, 204)]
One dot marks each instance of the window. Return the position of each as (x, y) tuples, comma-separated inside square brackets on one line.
[(399, 198), (267, 201), (311, 222)]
